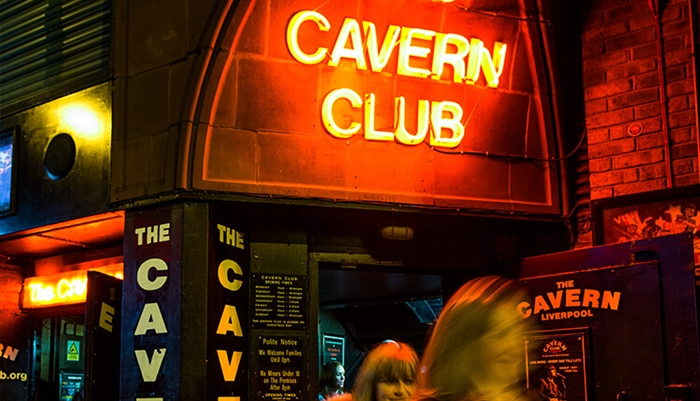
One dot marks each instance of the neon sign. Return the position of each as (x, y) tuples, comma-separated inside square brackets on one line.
[(467, 57), (61, 289)]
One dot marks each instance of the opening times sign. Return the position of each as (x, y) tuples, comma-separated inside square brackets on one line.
[(279, 302)]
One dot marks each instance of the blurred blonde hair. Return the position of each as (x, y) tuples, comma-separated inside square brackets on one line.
[(390, 360), (461, 360)]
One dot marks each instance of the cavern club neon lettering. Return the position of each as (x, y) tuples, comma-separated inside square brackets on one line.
[(468, 58), (61, 289)]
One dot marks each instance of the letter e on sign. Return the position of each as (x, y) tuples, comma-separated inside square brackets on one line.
[(106, 315)]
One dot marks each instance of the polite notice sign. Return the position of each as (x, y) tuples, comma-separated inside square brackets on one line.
[(279, 302), (280, 365)]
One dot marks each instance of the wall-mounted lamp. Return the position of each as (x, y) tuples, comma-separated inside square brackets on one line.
[(397, 233)]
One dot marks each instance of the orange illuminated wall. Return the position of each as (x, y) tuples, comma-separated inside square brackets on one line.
[(414, 102)]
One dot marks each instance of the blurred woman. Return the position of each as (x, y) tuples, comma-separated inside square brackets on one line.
[(476, 350), (388, 373), (331, 381)]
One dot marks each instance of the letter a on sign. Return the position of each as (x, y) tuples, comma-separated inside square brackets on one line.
[(229, 322)]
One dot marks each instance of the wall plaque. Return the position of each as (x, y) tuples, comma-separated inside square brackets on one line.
[(280, 368)]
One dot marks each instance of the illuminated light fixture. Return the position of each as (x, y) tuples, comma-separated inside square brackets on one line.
[(82, 120), (397, 233), (61, 289), (443, 1)]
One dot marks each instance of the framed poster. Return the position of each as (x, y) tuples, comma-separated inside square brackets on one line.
[(648, 215), (557, 364), (333, 349)]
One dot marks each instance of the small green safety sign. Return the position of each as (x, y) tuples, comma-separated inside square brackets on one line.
[(73, 350)]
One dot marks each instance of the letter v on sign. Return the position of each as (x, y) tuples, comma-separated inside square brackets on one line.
[(150, 369), (229, 368)]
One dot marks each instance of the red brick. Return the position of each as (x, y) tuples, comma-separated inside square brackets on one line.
[(671, 13), (593, 48), (593, 77), (645, 51), (600, 165), (610, 118), (634, 98), (605, 31), (611, 148), (619, 132), (648, 110), (627, 12), (676, 73), (643, 186), (598, 136), (688, 149), (679, 88), (647, 80), (677, 57), (600, 7), (673, 44), (642, 22), (613, 178), (602, 193), (682, 119), (684, 166), (650, 141), (596, 106), (686, 180), (605, 61), (639, 158), (678, 103), (680, 135), (652, 172), (631, 69), (631, 40), (679, 27)]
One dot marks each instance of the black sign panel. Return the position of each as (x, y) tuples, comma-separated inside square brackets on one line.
[(103, 311), (227, 351), (151, 329), (279, 302), (621, 309), (279, 376)]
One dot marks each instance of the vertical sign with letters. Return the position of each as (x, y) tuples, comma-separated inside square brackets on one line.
[(102, 341), (227, 350), (151, 326)]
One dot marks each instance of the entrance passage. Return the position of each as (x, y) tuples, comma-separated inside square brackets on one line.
[(59, 357)]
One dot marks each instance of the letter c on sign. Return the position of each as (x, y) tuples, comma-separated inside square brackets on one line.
[(525, 309), (224, 267), (293, 36), (142, 274), (327, 112)]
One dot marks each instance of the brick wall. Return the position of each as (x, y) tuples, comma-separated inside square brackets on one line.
[(623, 91)]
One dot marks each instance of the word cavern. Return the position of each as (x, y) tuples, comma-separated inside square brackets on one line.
[(357, 42)]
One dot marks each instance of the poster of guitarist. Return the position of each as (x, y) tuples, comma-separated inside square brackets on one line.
[(553, 386)]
